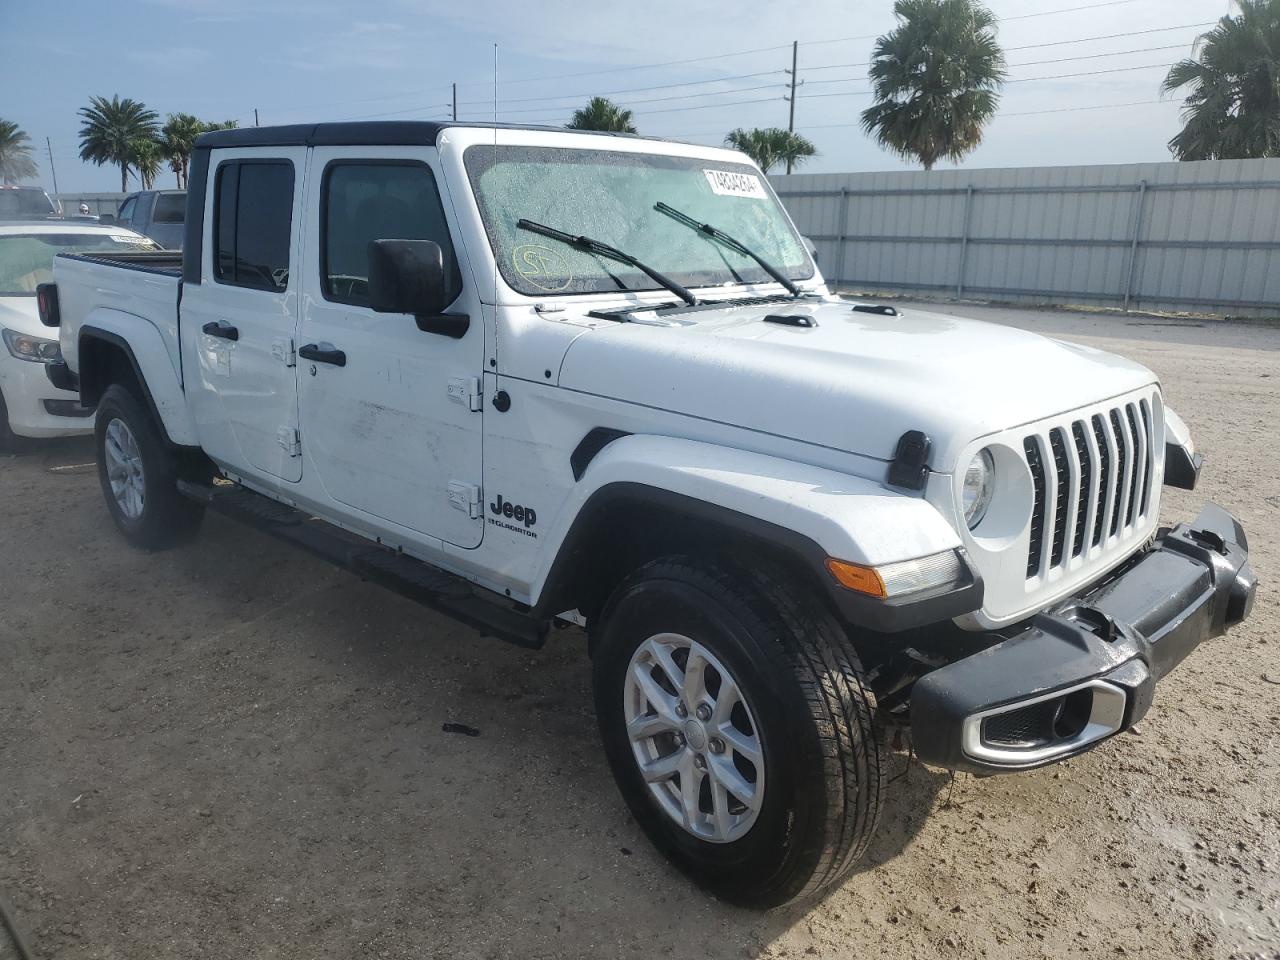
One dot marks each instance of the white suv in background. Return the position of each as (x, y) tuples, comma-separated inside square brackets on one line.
[(31, 406)]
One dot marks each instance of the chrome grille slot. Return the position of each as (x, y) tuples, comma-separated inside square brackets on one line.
[(1122, 476), (1086, 486), (1151, 460), (1092, 478), (1032, 447), (1058, 447), (1104, 477)]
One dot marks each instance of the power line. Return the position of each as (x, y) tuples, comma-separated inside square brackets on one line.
[(638, 66), (1111, 36), (1029, 63), (685, 96), (610, 93), (1021, 16)]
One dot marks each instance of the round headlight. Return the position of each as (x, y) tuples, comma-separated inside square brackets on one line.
[(979, 484)]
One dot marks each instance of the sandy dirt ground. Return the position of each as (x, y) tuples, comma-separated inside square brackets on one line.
[(233, 751)]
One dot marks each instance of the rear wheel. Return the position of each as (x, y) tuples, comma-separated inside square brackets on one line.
[(138, 474), (739, 729)]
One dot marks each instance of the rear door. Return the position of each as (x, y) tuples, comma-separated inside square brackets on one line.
[(395, 432), (241, 319)]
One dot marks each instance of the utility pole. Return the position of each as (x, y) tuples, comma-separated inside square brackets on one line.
[(48, 146), (255, 116), (455, 103), (791, 123)]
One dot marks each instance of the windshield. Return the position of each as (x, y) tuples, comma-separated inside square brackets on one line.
[(26, 259), (610, 197), (25, 202)]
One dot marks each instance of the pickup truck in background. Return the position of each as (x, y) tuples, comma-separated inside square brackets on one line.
[(25, 203), (158, 214), (530, 377)]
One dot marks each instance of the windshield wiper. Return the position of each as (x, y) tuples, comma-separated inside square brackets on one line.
[(588, 245), (737, 245)]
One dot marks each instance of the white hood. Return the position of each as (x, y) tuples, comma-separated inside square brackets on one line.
[(854, 382), (23, 315)]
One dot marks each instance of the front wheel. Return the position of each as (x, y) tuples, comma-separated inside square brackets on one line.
[(739, 728), (138, 474)]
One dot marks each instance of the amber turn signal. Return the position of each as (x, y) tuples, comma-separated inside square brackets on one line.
[(859, 579)]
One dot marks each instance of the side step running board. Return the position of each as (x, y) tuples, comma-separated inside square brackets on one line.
[(418, 581)]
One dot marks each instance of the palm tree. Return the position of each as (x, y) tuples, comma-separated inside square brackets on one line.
[(603, 114), (148, 160), (770, 146), (110, 130), (1233, 107), (15, 153), (937, 79), (178, 137)]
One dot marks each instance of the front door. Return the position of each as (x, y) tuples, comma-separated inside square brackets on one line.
[(238, 324), (391, 415)]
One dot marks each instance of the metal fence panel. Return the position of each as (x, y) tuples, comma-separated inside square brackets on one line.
[(1201, 237)]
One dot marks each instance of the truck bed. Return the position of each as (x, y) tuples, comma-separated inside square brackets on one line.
[(149, 261)]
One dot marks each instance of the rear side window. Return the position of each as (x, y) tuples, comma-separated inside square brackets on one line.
[(170, 208), (376, 200), (252, 220)]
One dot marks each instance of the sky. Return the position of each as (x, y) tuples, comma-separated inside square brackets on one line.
[(1085, 74)]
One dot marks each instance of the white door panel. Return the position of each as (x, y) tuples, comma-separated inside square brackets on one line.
[(243, 391), (385, 434)]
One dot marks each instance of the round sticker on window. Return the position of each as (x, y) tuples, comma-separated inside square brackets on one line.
[(542, 266)]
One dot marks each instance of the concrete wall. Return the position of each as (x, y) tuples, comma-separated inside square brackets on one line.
[(99, 203), (1199, 237)]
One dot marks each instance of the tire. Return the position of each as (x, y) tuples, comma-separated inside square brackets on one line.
[(8, 440), (148, 509), (807, 710)]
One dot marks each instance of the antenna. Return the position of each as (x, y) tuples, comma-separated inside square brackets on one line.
[(492, 166)]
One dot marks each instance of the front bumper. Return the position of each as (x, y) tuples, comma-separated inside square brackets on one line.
[(1087, 669), (38, 408)]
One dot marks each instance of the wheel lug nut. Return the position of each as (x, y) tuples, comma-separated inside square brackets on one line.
[(704, 712), (716, 745), (681, 710), (700, 762), (679, 739)]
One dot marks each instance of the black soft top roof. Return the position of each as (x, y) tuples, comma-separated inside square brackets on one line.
[(356, 133)]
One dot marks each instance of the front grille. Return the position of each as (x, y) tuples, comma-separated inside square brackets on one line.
[(1092, 480)]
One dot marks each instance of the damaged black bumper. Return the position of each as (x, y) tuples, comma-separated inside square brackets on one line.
[(1087, 669)]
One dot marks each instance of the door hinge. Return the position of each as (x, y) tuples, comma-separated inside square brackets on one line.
[(465, 497), (466, 390), (289, 438), (283, 350)]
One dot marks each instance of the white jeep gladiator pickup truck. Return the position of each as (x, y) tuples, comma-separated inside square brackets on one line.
[(530, 377)]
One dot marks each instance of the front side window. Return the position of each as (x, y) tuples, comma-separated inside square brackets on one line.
[(370, 200), (252, 223), (610, 196), (126, 210), (26, 259)]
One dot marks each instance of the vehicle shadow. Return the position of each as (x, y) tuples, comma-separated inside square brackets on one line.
[(271, 747), (521, 819)]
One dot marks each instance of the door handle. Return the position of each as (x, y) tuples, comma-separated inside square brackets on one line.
[(323, 353), (223, 331)]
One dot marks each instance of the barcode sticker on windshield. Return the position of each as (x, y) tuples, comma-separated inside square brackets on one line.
[(726, 183), (125, 238)]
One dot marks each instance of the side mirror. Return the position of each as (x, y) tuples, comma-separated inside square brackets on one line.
[(107, 218), (409, 276)]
